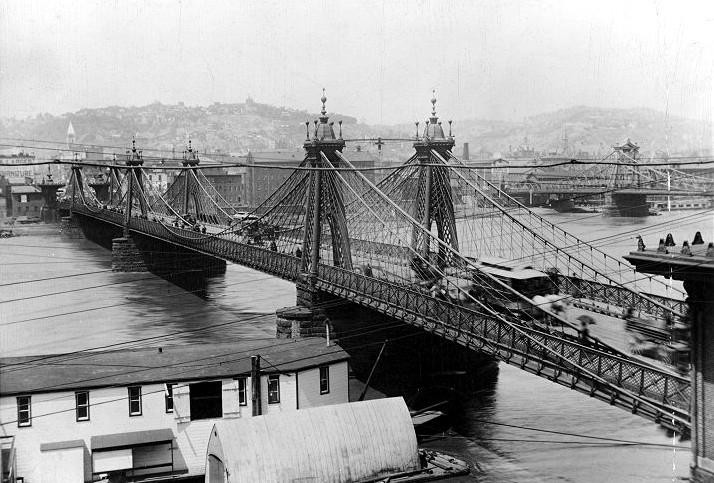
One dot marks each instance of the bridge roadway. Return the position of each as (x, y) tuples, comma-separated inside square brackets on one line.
[(655, 393)]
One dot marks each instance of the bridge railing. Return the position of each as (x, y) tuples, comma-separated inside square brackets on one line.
[(655, 305), (669, 392), (589, 369), (279, 264)]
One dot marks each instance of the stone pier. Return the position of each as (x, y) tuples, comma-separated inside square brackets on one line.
[(297, 322), (694, 264), (308, 318), (126, 256), (627, 204)]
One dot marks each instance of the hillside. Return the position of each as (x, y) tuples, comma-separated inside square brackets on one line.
[(589, 130), (237, 128), (215, 128)]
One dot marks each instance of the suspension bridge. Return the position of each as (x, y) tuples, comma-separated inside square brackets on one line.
[(621, 179), (413, 247)]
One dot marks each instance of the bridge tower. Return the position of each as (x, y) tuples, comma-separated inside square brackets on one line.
[(324, 220), (126, 256), (434, 203), (135, 186), (624, 177), (324, 202), (190, 161), (695, 266)]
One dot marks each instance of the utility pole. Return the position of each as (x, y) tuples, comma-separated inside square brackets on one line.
[(255, 385)]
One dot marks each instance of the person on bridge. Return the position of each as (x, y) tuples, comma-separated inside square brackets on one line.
[(584, 332), (685, 249), (273, 246), (298, 253), (662, 248), (640, 244), (203, 229)]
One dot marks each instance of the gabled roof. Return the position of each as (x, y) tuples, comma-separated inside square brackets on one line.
[(31, 374)]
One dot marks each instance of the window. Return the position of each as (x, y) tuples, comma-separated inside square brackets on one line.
[(24, 411), (82, 405), (134, 400), (206, 399), (324, 379), (242, 395), (273, 389), (169, 397)]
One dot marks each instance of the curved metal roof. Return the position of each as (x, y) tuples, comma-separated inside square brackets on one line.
[(338, 443)]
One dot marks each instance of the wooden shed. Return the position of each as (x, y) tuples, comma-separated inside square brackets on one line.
[(338, 443)]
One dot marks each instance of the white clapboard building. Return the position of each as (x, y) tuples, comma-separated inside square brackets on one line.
[(149, 412)]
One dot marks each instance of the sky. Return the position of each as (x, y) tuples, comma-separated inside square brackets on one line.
[(377, 60)]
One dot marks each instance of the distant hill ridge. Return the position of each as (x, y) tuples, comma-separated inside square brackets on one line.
[(239, 127)]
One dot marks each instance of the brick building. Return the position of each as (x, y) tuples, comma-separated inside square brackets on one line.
[(262, 178)]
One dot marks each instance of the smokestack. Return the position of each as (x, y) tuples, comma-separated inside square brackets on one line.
[(465, 155)]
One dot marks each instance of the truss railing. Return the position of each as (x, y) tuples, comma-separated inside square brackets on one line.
[(657, 394)]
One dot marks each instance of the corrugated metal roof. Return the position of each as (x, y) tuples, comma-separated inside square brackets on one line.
[(339, 443), (18, 375)]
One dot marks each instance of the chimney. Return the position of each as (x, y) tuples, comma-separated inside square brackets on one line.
[(465, 154)]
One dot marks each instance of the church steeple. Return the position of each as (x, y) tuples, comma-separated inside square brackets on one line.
[(71, 138)]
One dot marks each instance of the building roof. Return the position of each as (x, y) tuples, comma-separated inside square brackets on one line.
[(130, 439), (18, 375), (25, 190), (348, 442), (74, 443)]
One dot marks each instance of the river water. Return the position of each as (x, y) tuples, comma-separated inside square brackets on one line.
[(60, 295)]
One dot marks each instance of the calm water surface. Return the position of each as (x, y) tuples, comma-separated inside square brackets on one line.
[(59, 295)]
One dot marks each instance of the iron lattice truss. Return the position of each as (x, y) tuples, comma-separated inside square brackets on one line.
[(409, 248)]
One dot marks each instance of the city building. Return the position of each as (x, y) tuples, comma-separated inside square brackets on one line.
[(148, 413), (228, 185), (10, 165), (22, 198), (263, 177)]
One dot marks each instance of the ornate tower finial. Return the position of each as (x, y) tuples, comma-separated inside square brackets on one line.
[(324, 100), (450, 135), (340, 123), (417, 128), (307, 129), (433, 102)]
